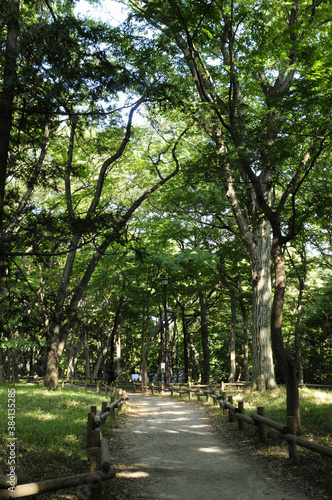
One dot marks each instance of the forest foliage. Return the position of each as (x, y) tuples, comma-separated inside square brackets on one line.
[(159, 147)]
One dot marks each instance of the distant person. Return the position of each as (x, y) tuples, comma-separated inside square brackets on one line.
[(111, 377)]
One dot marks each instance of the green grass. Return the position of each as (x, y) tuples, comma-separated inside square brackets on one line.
[(51, 429), (315, 406)]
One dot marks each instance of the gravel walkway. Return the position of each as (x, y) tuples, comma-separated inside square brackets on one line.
[(167, 449)]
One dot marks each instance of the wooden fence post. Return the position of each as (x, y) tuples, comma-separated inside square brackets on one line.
[(95, 459), (91, 417), (261, 427), (224, 397), (230, 411), (241, 411), (292, 446)]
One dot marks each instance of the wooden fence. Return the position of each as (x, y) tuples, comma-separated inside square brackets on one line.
[(100, 460), (286, 432)]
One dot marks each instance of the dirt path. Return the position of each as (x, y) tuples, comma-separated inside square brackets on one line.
[(167, 449)]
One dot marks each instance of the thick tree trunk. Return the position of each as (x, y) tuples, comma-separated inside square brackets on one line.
[(7, 95), (285, 363), (263, 376)]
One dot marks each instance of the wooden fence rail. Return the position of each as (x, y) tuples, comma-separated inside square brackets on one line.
[(100, 461), (287, 432)]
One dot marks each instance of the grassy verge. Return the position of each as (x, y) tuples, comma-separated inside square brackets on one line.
[(316, 409), (50, 430), (315, 406)]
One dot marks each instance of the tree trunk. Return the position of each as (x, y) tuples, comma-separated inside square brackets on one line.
[(87, 357), (103, 353), (298, 335), (301, 278), (145, 321), (245, 340), (185, 343), (60, 332), (7, 95), (118, 352), (285, 363), (263, 376), (70, 359), (75, 352), (232, 343), (205, 340), (195, 362)]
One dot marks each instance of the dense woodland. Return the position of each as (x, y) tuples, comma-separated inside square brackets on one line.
[(191, 140)]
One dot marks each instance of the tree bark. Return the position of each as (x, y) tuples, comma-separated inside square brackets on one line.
[(205, 340), (285, 363), (7, 96), (245, 340), (86, 356), (263, 376), (185, 344), (232, 342), (297, 330)]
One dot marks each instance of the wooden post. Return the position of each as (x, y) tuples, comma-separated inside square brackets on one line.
[(95, 459), (241, 411), (95, 439), (112, 412), (103, 406), (208, 397), (261, 427), (71, 382), (91, 417), (152, 389), (230, 411), (224, 397), (292, 446)]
